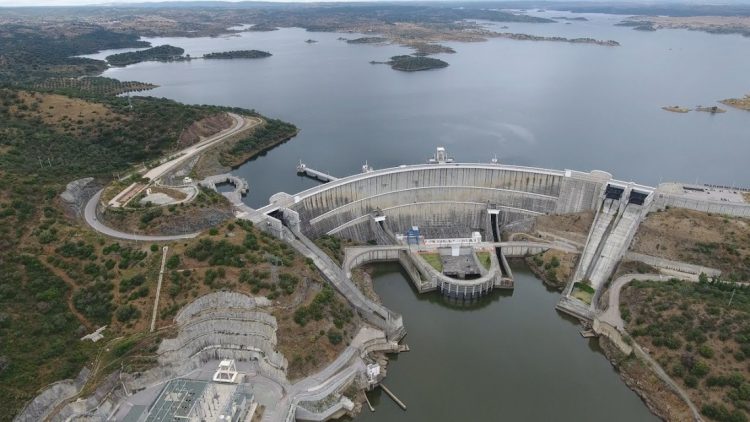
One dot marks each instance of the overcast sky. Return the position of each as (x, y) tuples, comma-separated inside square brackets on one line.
[(86, 2)]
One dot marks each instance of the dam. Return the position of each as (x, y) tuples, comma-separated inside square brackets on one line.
[(448, 225), (443, 210)]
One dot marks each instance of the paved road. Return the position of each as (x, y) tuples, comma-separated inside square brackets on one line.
[(240, 124), (89, 214), (612, 317)]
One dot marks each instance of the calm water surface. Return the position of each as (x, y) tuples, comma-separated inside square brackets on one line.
[(543, 104), (508, 358), (532, 103)]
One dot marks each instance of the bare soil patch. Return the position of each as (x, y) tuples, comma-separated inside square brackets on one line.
[(698, 238), (203, 128), (574, 226), (555, 268)]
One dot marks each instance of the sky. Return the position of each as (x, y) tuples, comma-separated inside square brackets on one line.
[(14, 3)]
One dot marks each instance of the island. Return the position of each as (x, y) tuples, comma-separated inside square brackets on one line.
[(676, 109), (162, 53), (741, 103), (638, 25), (710, 109), (238, 54), (425, 49), (413, 63), (528, 37), (366, 40), (565, 18)]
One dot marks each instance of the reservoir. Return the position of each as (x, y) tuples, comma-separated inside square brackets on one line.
[(504, 358), (544, 104)]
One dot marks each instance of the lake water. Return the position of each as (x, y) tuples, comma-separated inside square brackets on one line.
[(543, 104), (506, 358)]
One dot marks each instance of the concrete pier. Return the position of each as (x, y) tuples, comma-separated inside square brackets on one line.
[(393, 396), (315, 174)]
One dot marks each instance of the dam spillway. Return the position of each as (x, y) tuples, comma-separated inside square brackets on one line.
[(444, 203), (447, 204), (444, 200)]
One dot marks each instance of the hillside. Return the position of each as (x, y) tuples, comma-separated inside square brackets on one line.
[(58, 279)]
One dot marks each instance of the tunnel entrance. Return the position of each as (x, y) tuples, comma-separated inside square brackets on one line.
[(637, 198), (613, 192)]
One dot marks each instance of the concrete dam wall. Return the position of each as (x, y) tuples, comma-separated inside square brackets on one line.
[(444, 200)]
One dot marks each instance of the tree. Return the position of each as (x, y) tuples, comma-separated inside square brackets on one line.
[(703, 278)]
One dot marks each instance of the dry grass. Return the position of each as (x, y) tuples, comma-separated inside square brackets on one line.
[(573, 226), (698, 238), (543, 266), (65, 114), (712, 23), (307, 347)]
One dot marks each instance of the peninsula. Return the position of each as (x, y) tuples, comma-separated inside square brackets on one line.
[(162, 53)]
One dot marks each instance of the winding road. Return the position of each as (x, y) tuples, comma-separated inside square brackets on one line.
[(89, 213), (612, 317)]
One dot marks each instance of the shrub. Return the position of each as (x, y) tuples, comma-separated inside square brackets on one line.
[(288, 282), (173, 262), (334, 336), (700, 369), (130, 283), (706, 351), (126, 313), (691, 381)]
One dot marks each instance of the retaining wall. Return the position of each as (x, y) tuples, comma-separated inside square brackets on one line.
[(664, 200)]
